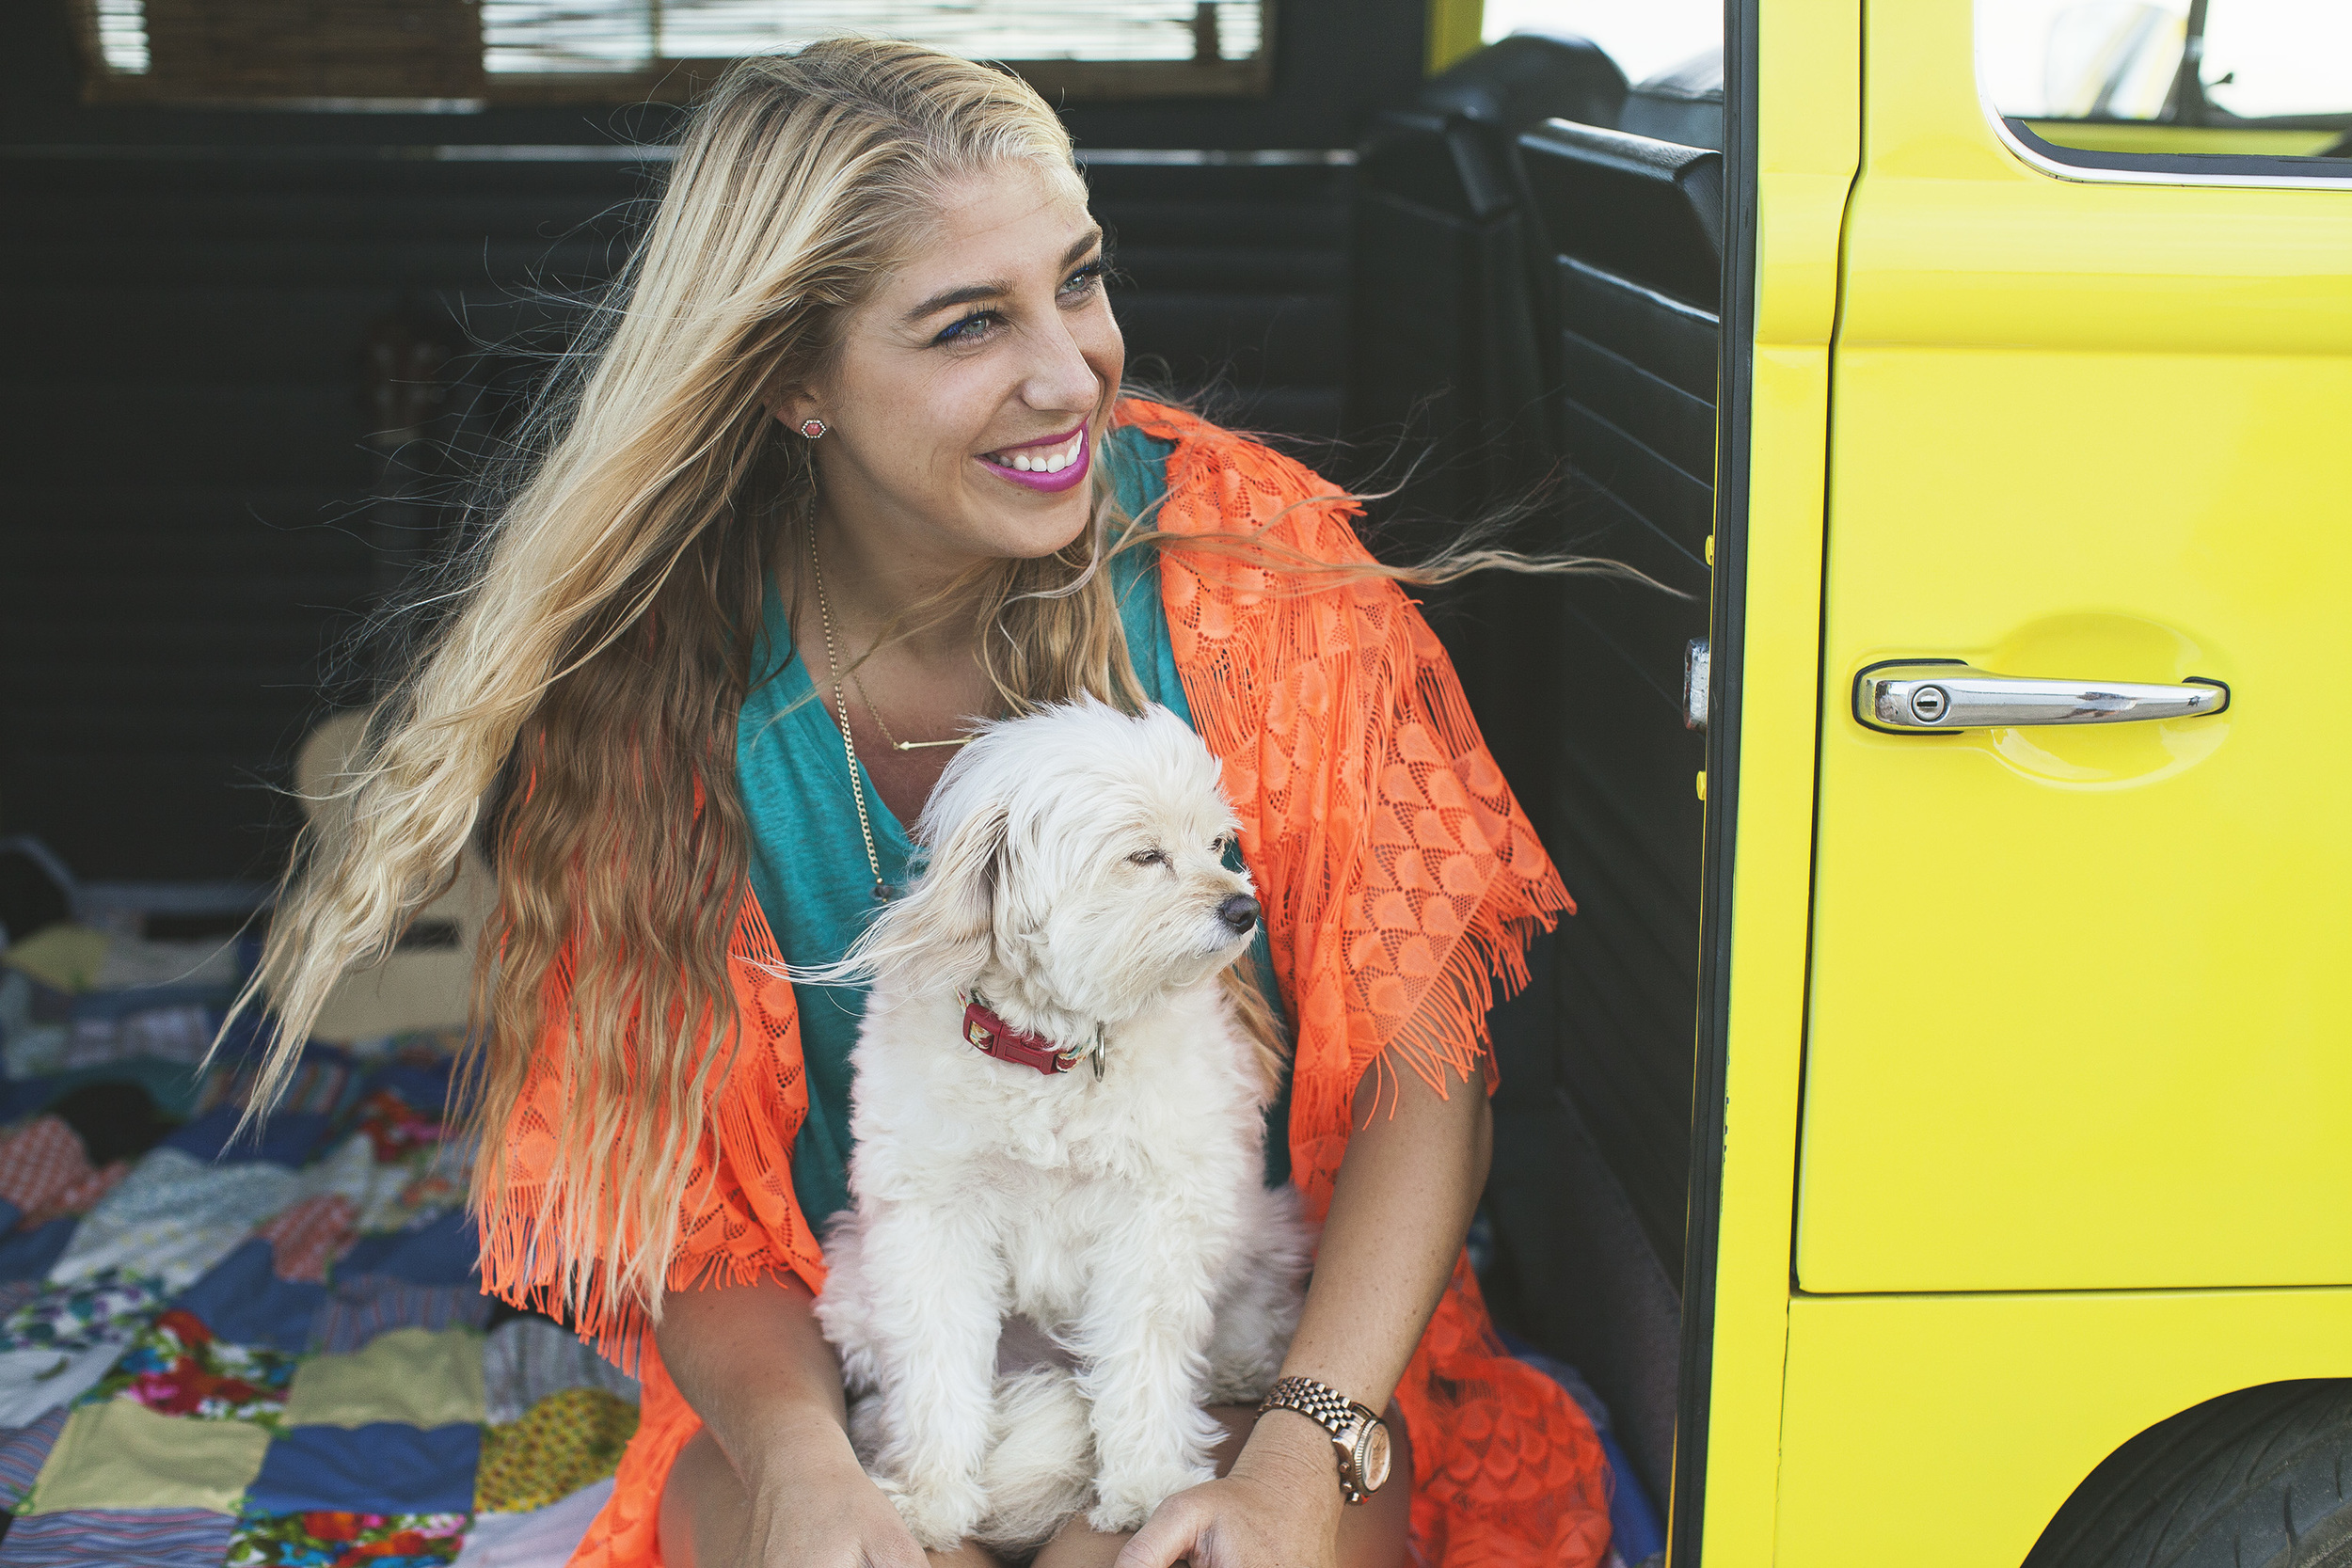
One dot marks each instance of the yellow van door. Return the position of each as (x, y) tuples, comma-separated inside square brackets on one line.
[(2078, 1015)]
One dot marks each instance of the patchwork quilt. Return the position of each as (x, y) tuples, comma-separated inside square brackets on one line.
[(246, 1350)]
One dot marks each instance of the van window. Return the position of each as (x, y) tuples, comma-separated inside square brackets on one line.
[(1644, 40), (2227, 91), (451, 55)]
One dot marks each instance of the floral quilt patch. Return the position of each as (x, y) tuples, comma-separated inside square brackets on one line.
[(176, 1367), (396, 1127), (82, 1315), (323, 1540)]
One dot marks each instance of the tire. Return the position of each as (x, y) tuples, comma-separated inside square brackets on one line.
[(2258, 1479)]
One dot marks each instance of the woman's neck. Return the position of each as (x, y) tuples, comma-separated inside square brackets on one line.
[(906, 661), (882, 585)]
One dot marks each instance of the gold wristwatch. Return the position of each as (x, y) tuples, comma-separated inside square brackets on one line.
[(1360, 1435)]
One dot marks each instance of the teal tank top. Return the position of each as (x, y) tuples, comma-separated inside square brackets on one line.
[(808, 865)]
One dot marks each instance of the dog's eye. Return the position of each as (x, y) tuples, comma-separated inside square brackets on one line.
[(1146, 857), (1217, 844)]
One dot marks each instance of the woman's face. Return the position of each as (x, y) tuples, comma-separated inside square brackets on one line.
[(963, 409)]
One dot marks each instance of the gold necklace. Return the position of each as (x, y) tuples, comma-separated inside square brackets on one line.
[(841, 713), (883, 724)]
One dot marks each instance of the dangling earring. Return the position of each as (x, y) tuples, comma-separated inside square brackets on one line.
[(812, 428)]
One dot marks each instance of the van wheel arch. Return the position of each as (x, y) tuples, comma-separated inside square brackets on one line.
[(2259, 1475)]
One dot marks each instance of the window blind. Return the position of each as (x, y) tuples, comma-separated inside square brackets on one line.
[(466, 53)]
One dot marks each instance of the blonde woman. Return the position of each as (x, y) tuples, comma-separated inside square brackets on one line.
[(845, 465)]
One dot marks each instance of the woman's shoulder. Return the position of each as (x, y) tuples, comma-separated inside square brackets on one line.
[(1221, 482), (1275, 574)]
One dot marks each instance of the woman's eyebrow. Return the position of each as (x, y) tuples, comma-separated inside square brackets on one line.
[(972, 293)]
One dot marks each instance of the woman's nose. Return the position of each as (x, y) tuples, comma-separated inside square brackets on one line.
[(1061, 377), (1240, 912)]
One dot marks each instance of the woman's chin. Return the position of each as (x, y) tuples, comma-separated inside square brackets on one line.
[(1028, 527)]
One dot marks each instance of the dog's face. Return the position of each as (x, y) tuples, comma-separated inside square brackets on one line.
[(1079, 856)]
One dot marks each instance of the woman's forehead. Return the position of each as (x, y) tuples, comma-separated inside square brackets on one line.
[(1000, 227)]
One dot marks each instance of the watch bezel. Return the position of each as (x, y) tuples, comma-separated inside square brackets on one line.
[(1359, 1440)]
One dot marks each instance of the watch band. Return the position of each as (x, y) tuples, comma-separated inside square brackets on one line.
[(1329, 1409)]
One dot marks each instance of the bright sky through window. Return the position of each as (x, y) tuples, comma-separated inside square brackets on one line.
[(531, 35)]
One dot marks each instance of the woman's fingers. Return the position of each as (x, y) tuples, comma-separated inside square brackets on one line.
[(891, 1551), (1172, 1534)]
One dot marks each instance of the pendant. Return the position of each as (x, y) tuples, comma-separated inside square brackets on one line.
[(882, 894)]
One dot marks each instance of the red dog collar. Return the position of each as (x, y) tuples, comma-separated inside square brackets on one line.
[(997, 1039)]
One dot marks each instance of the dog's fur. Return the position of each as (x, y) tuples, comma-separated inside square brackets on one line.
[(1124, 1214)]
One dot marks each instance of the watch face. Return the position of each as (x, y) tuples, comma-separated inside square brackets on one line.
[(1371, 1457)]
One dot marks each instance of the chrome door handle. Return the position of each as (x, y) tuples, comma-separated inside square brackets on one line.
[(1910, 696)]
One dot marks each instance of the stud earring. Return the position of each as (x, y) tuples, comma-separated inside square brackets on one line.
[(812, 428)]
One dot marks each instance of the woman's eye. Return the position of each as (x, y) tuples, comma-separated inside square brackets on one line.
[(1085, 278), (1146, 857), (970, 329)]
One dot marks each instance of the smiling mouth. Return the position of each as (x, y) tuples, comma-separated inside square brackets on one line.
[(1050, 456)]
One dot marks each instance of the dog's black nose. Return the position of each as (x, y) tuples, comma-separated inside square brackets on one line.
[(1240, 912)]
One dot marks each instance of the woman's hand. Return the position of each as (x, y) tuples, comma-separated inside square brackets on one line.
[(1279, 1507), (771, 1481), (812, 1507)]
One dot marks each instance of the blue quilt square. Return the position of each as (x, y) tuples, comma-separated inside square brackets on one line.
[(242, 1301), (442, 1251), (30, 1254), (422, 1089), (288, 1139), (380, 1468)]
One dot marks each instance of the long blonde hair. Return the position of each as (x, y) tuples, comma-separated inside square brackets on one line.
[(597, 646), (583, 686)]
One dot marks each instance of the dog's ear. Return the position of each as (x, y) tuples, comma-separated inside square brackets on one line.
[(946, 921)]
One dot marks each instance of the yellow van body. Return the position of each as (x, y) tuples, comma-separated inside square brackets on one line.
[(2038, 1105)]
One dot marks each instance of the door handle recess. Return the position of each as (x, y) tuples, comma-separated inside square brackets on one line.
[(1913, 696)]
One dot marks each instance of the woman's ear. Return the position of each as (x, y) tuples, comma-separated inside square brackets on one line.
[(794, 406), (792, 403)]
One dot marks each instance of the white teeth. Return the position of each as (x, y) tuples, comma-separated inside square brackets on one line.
[(1031, 461)]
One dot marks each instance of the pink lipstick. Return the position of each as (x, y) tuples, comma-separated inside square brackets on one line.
[(1052, 464)]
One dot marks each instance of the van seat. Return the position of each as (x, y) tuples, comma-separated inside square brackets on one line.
[(1684, 104), (1443, 337), (1648, 211)]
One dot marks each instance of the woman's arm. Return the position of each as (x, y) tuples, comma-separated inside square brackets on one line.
[(784, 1489), (1412, 1173)]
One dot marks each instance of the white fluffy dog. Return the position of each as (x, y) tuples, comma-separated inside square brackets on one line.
[(1095, 1190)]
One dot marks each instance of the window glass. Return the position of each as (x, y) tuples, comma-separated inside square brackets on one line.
[(462, 53), (2227, 89), (1646, 40), (2267, 58), (599, 35)]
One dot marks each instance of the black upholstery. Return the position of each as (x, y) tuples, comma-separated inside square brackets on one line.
[(1628, 269), (1516, 81), (1649, 211), (1442, 333), (1548, 301), (1684, 104)]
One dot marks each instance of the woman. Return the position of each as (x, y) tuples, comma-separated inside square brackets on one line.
[(845, 466)]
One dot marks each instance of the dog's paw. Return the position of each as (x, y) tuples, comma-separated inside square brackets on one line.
[(939, 1516), (1123, 1502)]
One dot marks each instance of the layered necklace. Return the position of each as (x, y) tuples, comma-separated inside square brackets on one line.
[(841, 716)]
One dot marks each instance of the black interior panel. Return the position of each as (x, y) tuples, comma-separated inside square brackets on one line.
[(1548, 301)]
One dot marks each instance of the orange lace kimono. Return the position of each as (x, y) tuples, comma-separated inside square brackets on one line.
[(1398, 875)]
